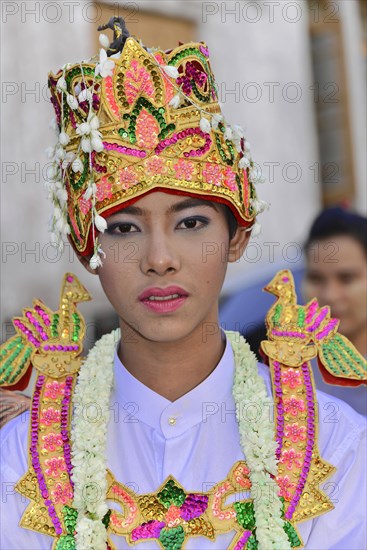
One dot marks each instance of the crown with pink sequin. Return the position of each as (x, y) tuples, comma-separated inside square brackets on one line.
[(139, 120)]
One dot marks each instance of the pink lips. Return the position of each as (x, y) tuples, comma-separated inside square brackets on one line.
[(166, 305)]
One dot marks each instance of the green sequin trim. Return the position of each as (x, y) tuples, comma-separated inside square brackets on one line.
[(301, 317), (276, 316), (130, 133), (228, 160), (54, 325), (199, 95), (332, 356), (12, 357), (78, 72), (342, 355), (245, 515), (67, 542), (172, 539), (360, 362), (12, 343), (22, 364), (292, 534), (76, 327), (171, 494), (252, 543)]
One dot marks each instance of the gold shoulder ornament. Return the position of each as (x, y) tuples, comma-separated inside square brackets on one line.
[(297, 334)]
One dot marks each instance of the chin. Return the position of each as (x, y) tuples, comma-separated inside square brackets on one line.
[(164, 330)]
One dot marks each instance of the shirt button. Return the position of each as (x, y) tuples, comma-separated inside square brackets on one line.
[(172, 421)]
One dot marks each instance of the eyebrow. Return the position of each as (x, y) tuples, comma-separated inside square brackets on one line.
[(177, 207)]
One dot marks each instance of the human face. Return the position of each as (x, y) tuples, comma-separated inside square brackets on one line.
[(160, 241), (336, 274)]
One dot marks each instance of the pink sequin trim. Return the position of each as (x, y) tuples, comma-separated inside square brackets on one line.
[(137, 81), (291, 378), (128, 177), (212, 173), (293, 406), (184, 169), (230, 179), (155, 165), (104, 189)]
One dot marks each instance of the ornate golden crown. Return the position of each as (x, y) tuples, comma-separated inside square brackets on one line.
[(138, 121)]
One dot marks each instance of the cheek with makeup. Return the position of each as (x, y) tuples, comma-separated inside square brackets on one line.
[(164, 269)]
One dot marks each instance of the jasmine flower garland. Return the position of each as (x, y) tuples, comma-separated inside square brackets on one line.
[(89, 440)]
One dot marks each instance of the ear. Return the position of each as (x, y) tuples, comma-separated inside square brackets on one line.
[(238, 243), (84, 260)]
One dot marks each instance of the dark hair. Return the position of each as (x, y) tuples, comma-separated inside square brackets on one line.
[(231, 221), (334, 222)]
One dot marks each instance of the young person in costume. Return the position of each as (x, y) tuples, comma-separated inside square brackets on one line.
[(167, 434)]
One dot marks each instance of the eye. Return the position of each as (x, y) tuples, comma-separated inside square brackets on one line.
[(314, 278), (347, 278), (120, 228), (195, 222)]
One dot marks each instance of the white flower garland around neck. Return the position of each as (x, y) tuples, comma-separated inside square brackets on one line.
[(89, 441)]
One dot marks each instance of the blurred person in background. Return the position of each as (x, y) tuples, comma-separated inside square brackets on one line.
[(336, 274)]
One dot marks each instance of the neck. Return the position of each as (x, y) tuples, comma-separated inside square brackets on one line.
[(172, 369)]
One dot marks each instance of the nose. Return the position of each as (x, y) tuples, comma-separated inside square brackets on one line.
[(160, 256)]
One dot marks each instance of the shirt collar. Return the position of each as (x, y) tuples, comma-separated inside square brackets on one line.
[(174, 418)]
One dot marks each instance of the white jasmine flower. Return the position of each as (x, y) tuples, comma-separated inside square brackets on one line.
[(259, 205), (85, 95), (54, 239), (64, 138), (96, 142), (72, 102), (69, 157), (238, 131), (93, 121), (171, 71), (61, 84), (60, 223), (77, 89), (256, 175), (50, 152), (59, 153), (175, 101), (91, 189), (77, 165), (228, 134), (244, 162), (83, 129), (205, 125), (86, 144), (105, 66), (100, 223), (91, 137), (62, 195), (256, 229), (53, 125), (247, 145), (216, 119), (52, 172), (95, 261), (104, 40)]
